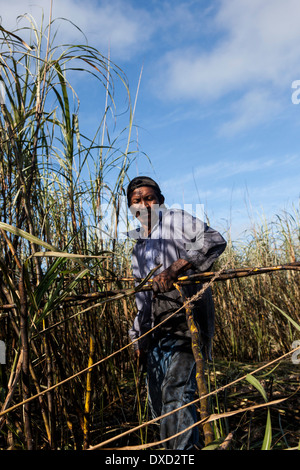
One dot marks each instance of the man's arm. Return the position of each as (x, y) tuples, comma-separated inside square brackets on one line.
[(199, 257)]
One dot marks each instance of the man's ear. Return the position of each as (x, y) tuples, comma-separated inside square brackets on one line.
[(161, 199)]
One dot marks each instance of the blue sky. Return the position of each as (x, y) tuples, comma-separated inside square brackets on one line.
[(214, 110)]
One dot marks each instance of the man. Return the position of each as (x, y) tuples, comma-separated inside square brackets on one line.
[(180, 243)]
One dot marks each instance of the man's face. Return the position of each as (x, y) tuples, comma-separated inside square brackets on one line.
[(142, 201)]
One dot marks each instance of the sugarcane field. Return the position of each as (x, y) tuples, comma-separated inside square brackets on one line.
[(73, 376)]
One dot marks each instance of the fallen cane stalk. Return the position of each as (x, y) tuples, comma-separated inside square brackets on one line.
[(212, 417)]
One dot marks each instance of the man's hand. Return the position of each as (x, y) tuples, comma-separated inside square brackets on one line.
[(164, 281)]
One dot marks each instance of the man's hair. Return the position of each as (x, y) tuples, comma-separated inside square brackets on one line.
[(141, 181)]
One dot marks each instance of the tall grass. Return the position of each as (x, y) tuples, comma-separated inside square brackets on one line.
[(249, 325), (55, 181)]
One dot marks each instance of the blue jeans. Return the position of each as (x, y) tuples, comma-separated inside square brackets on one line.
[(172, 383)]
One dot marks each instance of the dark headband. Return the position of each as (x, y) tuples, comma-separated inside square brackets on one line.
[(140, 181)]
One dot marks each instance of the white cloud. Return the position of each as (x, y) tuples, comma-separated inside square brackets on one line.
[(114, 24), (241, 49), (251, 53), (259, 41)]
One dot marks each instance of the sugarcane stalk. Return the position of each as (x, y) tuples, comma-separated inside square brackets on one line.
[(200, 369), (25, 361), (88, 395), (198, 278), (41, 401), (12, 384), (206, 276)]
